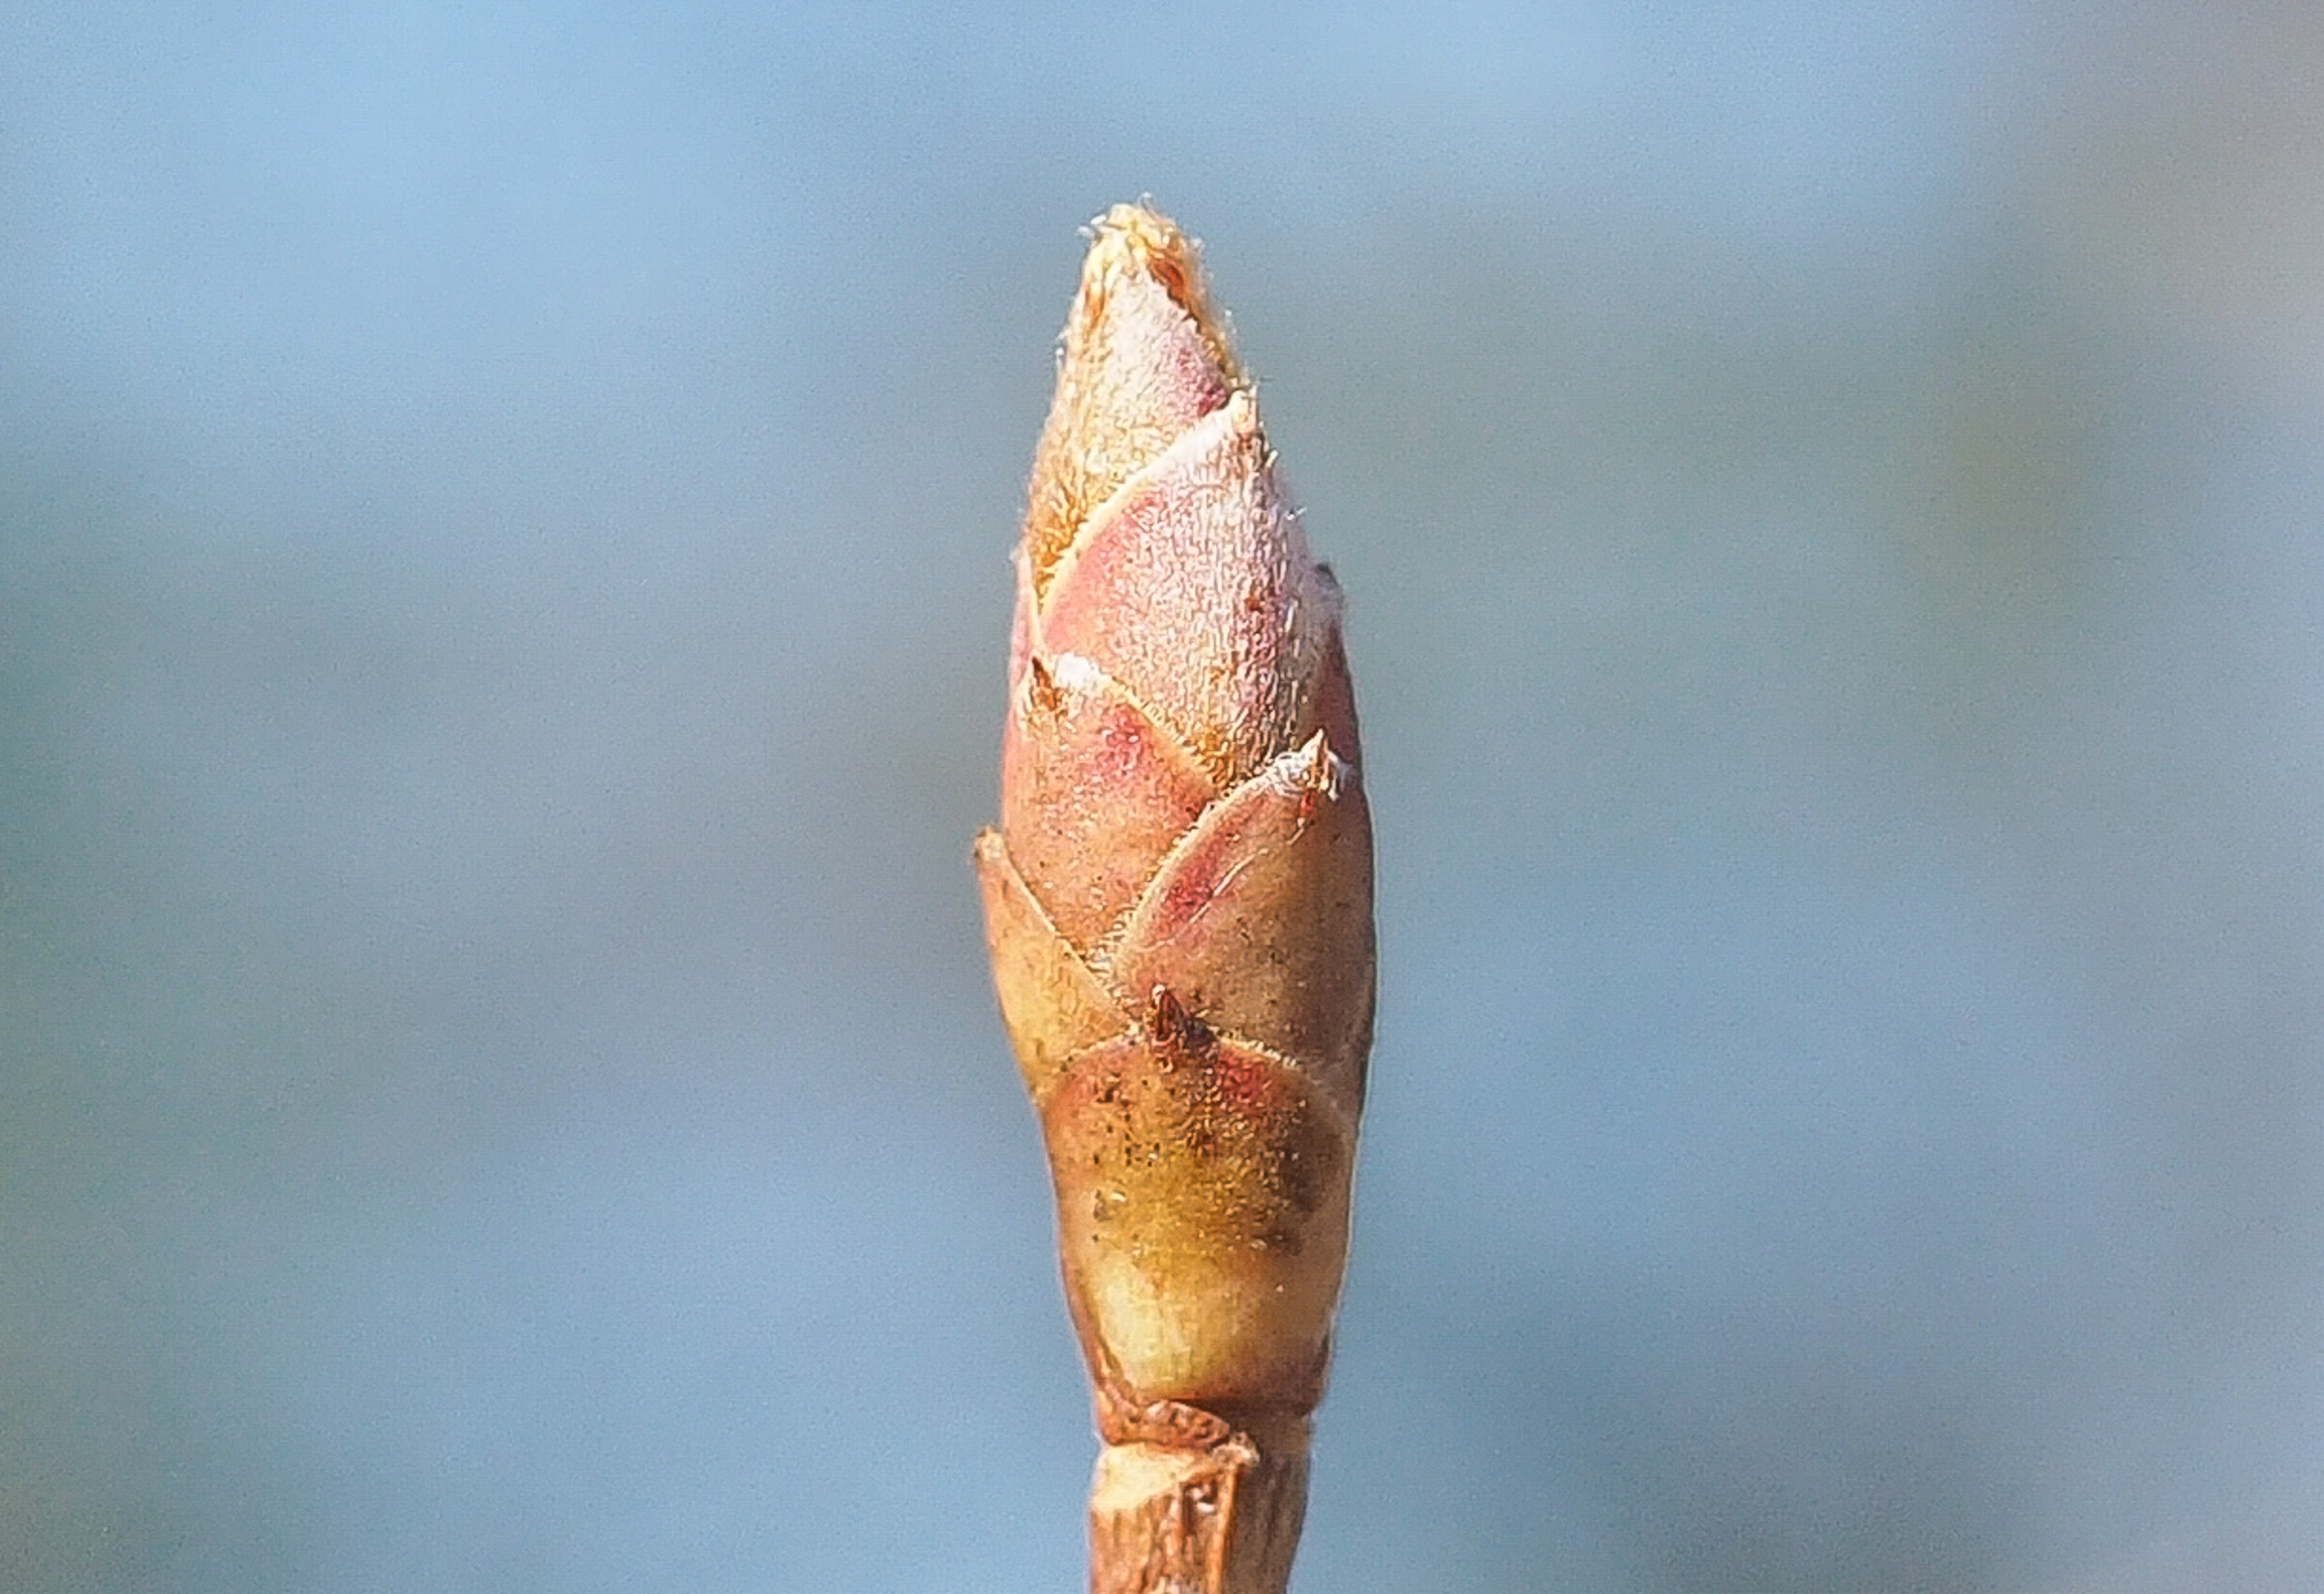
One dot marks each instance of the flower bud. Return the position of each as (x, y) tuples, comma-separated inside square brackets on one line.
[(1179, 902)]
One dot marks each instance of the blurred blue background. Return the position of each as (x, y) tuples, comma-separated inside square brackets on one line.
[(504, 532)]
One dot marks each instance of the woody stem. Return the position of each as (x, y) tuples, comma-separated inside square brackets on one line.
[(1223, 1519)]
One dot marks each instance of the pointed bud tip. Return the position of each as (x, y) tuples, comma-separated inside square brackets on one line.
[(1137, 239), (1146, 354)]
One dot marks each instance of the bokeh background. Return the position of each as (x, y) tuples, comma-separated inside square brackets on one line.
[(504, 531)]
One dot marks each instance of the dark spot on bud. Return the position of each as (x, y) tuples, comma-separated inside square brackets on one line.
[(1041, 693), (1176, 1031)]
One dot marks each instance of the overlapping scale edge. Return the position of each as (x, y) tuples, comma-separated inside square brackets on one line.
[(1258, 920), (1051, 1002), (1202, 1196), (1198, 561), (1093, 793)]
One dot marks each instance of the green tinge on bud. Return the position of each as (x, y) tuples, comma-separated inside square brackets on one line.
[(1179, 904)]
